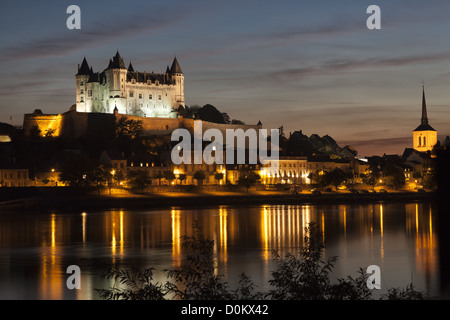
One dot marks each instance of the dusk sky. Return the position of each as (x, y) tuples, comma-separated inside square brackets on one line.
[(306, 65)]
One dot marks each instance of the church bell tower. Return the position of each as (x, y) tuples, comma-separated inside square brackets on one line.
[(424, 136)]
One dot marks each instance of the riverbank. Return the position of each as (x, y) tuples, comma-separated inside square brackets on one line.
[(73, 201)]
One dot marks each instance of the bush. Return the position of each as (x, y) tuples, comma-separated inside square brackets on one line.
[(303, 278)]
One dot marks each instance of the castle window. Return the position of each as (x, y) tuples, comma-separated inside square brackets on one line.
[(131, 94), (424, 141), (81, 83), (150, 96), (140, 95), (81, 91), (89, 93), (420, 141), (159, 97)]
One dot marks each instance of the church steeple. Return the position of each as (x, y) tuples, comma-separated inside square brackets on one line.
[(424, 136), (424, 119)]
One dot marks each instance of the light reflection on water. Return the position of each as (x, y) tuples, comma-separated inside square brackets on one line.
[(36, 248)]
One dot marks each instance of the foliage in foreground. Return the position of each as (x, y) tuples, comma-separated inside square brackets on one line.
[(304, 278)]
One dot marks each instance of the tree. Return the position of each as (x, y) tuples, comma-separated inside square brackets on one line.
[(226, 118), (321, 179), (394, 175), (248, 177), (49, 133), (169, 176), (76, 169), (139, 285), (99, 176), (308, 277), (199, 176), (210, 113), (218, 176), (182, 177), (372, 176), (138, 180), (35, 133), (128, 128), (336, 177), (118, 177)]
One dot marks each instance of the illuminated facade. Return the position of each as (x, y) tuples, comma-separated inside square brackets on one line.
[(424, 136), (288, 170), (144, 94), (12, 177)]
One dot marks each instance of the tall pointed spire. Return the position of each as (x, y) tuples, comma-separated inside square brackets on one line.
[(175, 67), (424, 119), (130, 67), (84, 69), (116, 62)]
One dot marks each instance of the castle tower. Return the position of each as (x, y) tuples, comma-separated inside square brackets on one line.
[(82, 78), (178, 77), (116, 78), (424, 136)]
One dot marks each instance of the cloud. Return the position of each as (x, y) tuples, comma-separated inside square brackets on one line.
[(113, 30), (351, 64)]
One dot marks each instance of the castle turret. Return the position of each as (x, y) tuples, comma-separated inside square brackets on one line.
[(116, 78), (82, 77), (178, 77)]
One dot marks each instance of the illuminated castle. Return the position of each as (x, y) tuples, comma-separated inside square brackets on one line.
[(424, 136), (131, 92)]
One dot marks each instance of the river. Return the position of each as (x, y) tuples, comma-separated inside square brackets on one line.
[(37, 247)]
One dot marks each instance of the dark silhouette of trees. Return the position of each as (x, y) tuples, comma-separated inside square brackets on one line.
[(210, 113), (337, 176), (247, 177), (138, 180), (199, 176)]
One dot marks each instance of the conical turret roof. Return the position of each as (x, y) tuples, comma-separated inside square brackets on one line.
[(84, 69), (175, 67)]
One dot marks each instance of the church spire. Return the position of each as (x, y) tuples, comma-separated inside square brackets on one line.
[(424, 119)]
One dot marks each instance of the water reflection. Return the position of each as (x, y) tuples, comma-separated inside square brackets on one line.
[(35, 249)]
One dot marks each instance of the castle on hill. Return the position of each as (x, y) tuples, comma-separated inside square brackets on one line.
[(155, 99), (131, 92)]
